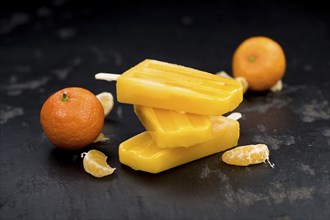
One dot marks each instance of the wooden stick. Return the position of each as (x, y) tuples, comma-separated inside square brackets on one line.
[(235, 116), (107, 76)]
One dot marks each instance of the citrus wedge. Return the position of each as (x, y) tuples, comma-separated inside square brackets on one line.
[(247, 155), (100, 138), (106, 100), (95, 163)]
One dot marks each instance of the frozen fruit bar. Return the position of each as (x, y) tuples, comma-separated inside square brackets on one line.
[(174, 129), (141, 153), (169, 86)]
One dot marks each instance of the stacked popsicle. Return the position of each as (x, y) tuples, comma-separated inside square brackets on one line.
[(181, 109)]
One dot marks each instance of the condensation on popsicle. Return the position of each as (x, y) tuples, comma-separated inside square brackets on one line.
[(174, 129), (141, 153), (174, 87)]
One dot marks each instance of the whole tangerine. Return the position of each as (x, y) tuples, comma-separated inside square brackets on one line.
[(261, 61), (72, 118)]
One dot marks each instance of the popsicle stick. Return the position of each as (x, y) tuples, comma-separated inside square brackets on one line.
[(107, 76), (235, 116)]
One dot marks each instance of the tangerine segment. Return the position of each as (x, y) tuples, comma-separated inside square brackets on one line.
[(106, 100), (239, 79), (95, 163), (247, 155), (244, 83), (100, 138)]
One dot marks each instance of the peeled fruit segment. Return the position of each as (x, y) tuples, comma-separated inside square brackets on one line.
[(244, 83), (95, 163), (106, 99), (247, 155), (101, 138), (241, 80), (277, 87)]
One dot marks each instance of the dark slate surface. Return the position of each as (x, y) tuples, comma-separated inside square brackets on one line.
[(49, 45)]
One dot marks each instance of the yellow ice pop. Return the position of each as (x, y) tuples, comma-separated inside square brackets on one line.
[(171, 129), (141, 153), (174, 87)]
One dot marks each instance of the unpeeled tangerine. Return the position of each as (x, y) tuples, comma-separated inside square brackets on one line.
[(247, 155)]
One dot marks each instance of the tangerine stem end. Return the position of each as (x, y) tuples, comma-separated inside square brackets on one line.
[(252, 58), (65, 96)]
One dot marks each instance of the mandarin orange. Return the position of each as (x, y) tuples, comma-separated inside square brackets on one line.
[(72, 118), (261, 61)]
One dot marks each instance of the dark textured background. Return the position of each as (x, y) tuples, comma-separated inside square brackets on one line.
[(49, 45)]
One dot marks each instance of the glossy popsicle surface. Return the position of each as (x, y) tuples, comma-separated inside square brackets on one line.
[(141, 153), (169, 86), (174, 129)]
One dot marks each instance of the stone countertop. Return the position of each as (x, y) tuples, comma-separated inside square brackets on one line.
[(46, 46)]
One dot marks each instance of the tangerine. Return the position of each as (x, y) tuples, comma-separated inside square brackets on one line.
[(72, 118), (261, 61)]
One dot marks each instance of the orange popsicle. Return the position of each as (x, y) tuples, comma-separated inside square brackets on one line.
[(174, 129), (174, 87), (141, 153)]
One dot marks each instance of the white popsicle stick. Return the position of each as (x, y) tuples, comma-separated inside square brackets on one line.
[(107, 76), (235, 116)]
